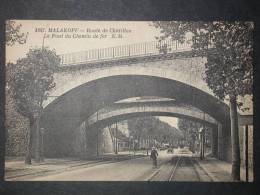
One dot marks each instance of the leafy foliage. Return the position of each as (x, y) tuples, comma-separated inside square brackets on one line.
[(13, 33), (152, 128), (191, 129), (228, 47), (32, 79), (229, 70)]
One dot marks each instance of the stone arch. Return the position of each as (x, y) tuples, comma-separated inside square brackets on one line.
[(122, 111), (72, 108), (189, 70)]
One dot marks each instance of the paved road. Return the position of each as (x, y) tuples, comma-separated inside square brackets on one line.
[(139, 169), (170, 168)]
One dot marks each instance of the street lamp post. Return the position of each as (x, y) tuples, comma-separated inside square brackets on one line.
[(129, 144), (116, 140), (201, 143), (97, 140), (203, 136), (135, 145), (246, 150), (42, 144)]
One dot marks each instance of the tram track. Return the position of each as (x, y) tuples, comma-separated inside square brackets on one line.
[(181, 168), (186, 169), (174, 168), (201, 171), (194, 169)]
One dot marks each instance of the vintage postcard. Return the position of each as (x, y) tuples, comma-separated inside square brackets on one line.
[(129, 101)]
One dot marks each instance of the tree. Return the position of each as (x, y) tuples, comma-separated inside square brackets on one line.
[(229, 70), (32, 79), (13, 34), (190, 130), (152, 128), (191, 133)]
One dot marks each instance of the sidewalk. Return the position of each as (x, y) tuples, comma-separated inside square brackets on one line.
[(15, 167), (220, 171)]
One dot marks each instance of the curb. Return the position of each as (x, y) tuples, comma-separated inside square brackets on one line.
[(207, 171), (72, 167)]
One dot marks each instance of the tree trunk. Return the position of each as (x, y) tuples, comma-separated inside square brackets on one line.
[(234, 140), (37, 141), (28, 142), (201, 155), (203, 143), (41, 135)]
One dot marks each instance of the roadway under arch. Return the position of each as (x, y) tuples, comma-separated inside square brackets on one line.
[(68, 111), (127, 110)]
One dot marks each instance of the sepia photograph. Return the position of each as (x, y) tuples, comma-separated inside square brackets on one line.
[(129, 101)]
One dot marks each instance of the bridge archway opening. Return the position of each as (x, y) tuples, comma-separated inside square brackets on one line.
[(170, 135), (69, 110), (141, 112)]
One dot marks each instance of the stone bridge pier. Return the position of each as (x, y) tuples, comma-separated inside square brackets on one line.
[(214, 141), (89, 142), (85, 84), (98, 142), (83, 142), (223, 147)]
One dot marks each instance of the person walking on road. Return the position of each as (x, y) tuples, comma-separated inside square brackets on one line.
[(153, 156)]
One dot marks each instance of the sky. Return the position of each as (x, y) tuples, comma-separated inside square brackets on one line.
[(81, 36), (170, 120), (139, 32)]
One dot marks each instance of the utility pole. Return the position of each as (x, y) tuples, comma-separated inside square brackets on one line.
[(97, 137), (116, 140), (38, 132), (201, 143), (203, 136), (246, 150)]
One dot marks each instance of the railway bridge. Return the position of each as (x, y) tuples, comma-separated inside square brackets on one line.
[(89, 81), (116, 112)]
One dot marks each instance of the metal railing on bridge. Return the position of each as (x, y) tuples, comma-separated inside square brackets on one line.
[(125, 51)]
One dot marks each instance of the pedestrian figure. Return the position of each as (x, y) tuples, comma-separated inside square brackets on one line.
[(153, 156)]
